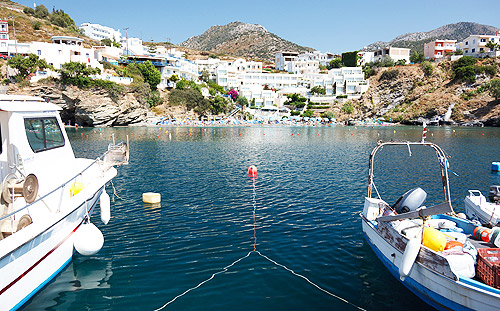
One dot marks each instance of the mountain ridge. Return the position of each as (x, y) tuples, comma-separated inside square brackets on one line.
[(243, 40), (416, 40)]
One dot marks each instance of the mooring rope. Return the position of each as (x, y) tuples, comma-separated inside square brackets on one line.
[(203, 282), (226, 268), (309, 281)]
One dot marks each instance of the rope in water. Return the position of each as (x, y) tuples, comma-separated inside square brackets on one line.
[(226, 268)]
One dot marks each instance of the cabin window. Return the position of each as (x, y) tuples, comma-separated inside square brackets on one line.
[(43, 133)]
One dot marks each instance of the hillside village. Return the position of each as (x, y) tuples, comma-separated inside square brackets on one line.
[(385, 83)]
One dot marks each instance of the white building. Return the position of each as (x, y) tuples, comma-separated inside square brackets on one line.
[(475, 45), (98, 32), (62, 50), (303, 66), (281, 59), (365, 57), (394, 53), (321, 58), (210, 65), (133, 46), (108, 54)]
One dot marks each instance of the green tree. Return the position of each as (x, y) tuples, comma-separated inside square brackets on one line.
[(218, 105), (29, 11), (348, 108), (27, 65), (308, 114), (464, 70), (151, 75), (205, 75), (318, 90), (78, 74), (173, 78), (61, 19), (387, 61), (296, 100), (491, 45), (106, 42), (427, 68), (401, 62), (417, 57), (350, 59), (41, 11), (242, 101), (459, 52), (494, 88), (336, 63)]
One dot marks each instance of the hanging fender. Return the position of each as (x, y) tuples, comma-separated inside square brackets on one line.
[(105, 204)]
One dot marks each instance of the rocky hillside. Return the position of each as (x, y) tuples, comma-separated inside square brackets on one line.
[(416, 40), (411, 95), (86, 107), (241, 39)]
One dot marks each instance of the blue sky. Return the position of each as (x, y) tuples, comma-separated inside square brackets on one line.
[(334, 26)]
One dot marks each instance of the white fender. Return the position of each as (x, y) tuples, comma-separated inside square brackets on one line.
[(88, 239), (104, 202), (409, 256)]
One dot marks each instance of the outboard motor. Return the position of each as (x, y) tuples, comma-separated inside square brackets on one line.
[(410, 201), (494, 194)]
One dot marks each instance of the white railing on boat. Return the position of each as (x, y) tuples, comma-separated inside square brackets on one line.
[(116, 155)]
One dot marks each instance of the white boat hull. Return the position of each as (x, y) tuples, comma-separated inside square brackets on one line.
[(441, 292), (478, 208), (33, 264)]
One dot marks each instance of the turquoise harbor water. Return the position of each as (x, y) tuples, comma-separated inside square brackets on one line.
[(310, 188)]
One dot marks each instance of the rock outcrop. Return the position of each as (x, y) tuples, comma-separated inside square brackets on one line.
[(89, 107)]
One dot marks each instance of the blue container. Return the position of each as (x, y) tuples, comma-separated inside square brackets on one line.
[(495, 166)]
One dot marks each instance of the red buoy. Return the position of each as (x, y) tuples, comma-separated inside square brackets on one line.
[(252, 171)]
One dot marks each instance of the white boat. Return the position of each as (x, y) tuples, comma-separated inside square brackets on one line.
[(47, 197), (477, 207), (446, 280)]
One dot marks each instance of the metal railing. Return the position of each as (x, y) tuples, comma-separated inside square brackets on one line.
[(100, 159)]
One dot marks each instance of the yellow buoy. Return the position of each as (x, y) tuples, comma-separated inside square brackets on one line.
[(434, 239), (75, 188), (151, 197)]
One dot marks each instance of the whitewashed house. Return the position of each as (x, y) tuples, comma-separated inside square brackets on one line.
[(281, 59), (98, 32), (394, 53), (475, 45), (64, 49)]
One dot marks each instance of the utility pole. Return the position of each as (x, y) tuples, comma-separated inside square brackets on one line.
[(14, 26), (126, 37)]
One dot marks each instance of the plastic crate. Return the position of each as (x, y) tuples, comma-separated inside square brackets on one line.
[(488, 266)]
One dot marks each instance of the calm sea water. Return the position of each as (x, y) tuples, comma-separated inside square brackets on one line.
[(310, 188)]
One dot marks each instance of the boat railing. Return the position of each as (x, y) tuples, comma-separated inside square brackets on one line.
[(106, 160)]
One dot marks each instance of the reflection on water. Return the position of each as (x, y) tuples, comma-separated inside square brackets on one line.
[(86, 274), (309, 191)]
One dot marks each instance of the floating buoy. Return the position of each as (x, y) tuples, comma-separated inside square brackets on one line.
[(252, 171), (104, 202), (482, 233), (88, 239), (151, 197), (495, 166), (76, 187)]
